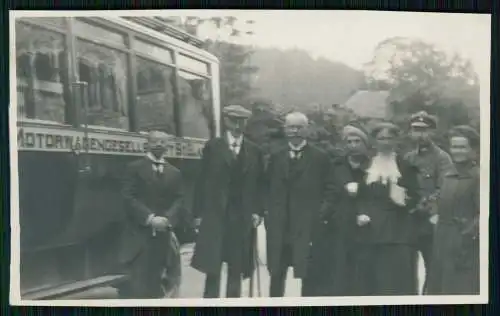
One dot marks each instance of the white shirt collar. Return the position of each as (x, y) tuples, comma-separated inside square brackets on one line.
[(299, 147), (154, 159), (231, 139)]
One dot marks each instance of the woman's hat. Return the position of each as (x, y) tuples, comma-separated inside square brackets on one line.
[(356, 130), (391, 127), (468, 132)]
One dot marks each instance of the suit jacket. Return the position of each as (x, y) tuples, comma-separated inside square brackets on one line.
[(211, 203), (145, 193), (309, 197)]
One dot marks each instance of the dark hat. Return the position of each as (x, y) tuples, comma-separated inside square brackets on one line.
[(236, 111), (468, 132), (378, 127), (423, 119)]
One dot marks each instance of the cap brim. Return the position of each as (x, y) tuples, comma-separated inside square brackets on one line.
[(419, 124)]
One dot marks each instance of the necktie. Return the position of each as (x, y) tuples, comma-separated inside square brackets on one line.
[(234, 146), (157, 168), (296, 153)]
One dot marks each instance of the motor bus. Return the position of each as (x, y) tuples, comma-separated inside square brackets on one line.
[(88, 91)]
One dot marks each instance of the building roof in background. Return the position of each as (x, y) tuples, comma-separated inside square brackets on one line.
[(366, 103)]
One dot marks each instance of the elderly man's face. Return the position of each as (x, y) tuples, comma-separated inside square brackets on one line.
[(296, 128), (156, 144), (235, 125)]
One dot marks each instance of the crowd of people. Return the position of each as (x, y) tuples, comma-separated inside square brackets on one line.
[(353, 225)]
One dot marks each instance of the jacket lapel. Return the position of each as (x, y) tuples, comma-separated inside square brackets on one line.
[(285, 164), (226, 152), (303, 163)]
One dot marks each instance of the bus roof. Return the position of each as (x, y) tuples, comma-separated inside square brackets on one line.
[(164, 32)]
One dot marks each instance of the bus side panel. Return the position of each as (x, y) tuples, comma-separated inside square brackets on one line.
[(46, 197)]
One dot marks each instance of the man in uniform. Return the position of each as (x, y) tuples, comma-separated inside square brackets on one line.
[(229, 205), (433, 163), (152, 191), (298, 197)]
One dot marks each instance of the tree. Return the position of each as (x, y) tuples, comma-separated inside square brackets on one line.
[(422, 77), (223, 38)]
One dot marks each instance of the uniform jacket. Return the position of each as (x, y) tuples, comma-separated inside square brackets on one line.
[(433, 164), (145, 192), (310, 198), (212, 201)]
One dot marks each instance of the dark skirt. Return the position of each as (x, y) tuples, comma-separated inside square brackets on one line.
[(385, 269), (455, 264)]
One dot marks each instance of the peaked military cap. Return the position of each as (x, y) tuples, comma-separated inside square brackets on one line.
[(236, 111), (423, 119)]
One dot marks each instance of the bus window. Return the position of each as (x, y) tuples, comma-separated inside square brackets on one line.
[(195, 105), (105, 71), (192, 64), (42, 84), (98, 33), (159, 53), (58, 22), (155, 103)]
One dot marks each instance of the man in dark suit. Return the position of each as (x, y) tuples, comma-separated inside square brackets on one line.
[(152, 193), (229, 205), (298, 196)]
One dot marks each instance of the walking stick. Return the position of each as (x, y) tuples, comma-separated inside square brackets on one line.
[(250, 289)]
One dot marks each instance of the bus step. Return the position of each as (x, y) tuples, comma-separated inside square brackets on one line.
[(72, 288)]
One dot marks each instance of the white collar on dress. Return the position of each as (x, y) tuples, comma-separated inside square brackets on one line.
[(383, 169)]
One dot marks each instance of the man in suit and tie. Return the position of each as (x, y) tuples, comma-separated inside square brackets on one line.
[(229, 205), (298, 196), (152, 192)]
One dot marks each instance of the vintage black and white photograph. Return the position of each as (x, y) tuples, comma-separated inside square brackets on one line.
[(249, 158)]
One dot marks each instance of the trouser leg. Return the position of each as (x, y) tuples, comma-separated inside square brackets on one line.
[(425, 249), (278, 278), (212, 286), (146, 269), (233, 282)]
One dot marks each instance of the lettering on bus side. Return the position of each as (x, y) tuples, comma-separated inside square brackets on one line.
[(71, 141)]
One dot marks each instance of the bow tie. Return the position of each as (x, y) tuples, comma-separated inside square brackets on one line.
[(158, 167), (296, 153)]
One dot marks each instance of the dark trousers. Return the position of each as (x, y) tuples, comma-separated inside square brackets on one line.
[(424, 246), (278, 278), (146, 269), (212, 284)]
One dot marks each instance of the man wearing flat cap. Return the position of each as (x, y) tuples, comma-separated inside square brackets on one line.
[(433, 164), (228, 205)]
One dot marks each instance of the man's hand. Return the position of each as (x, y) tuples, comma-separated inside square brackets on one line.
[(160, 223), (256, 220), (197, 222), (434, 219), (362, 220)]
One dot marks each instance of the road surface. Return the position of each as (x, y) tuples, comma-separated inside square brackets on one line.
[(193, 281)]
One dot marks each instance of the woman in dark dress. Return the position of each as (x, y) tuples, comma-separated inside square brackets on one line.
[(455, 266), (385, 258), (330, 268)]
